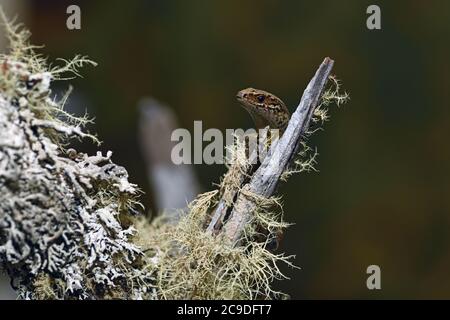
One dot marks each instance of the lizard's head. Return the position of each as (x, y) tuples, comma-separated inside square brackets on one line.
[(264, 107), (254, 99)]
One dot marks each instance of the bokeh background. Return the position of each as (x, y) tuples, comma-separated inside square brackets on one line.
[(382, 195)]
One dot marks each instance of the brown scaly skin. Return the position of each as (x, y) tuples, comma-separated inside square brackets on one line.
[(265, 108)]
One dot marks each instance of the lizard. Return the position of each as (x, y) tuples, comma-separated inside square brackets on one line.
[(266, 109)]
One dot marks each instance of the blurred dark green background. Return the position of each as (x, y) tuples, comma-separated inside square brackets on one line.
[(382, 195)]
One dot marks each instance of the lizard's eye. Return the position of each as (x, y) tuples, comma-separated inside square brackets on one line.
[(260, 98)]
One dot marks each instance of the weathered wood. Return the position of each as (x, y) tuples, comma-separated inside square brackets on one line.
[(223, 206), (229, 194)]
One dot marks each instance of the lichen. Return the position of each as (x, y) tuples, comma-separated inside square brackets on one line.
[(189, 263), (69, 222), (60, 233)]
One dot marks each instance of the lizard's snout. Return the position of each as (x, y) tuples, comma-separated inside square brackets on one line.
[(241, 98)]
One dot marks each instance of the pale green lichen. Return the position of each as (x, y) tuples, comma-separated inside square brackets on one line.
[(189, 263)]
